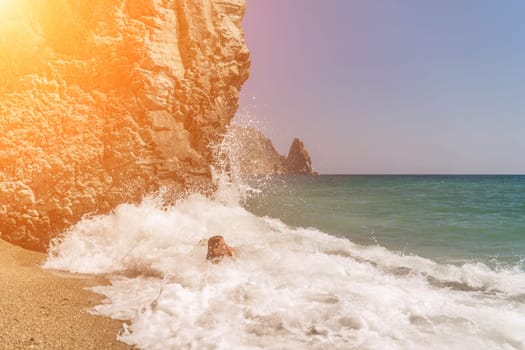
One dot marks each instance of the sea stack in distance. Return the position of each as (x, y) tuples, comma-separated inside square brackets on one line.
[(256, 155), (298, 160)]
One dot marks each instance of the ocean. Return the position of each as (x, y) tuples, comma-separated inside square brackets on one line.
[(448, 218), (324, 262)]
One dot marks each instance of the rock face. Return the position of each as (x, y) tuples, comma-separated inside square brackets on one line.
[(255, 154), (298, 160), (102, 101)]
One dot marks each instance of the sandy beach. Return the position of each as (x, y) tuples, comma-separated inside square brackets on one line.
[(42, 309)]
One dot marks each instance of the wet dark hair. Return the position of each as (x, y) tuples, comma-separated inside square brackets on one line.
[(213, 242)]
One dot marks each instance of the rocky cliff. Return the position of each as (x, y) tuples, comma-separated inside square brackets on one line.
[(102, 101), (255, 154)]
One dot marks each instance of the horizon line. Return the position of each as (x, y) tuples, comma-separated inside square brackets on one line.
[(423, 174)]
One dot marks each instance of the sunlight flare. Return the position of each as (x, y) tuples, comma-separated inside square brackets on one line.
[(7, 6)]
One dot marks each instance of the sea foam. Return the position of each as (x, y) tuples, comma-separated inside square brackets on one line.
[(288, 288)]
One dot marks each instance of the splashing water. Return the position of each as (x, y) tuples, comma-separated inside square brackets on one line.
[(288, 288)]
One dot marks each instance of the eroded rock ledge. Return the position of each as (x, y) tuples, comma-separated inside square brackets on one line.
[(102, 101)]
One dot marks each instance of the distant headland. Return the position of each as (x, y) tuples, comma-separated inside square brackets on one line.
[(256, 154)]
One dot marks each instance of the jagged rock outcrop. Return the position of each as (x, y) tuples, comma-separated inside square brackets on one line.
[(255, 154), (298, 160), (102, 101)]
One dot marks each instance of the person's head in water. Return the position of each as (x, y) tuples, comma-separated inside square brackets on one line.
[(217, 249)]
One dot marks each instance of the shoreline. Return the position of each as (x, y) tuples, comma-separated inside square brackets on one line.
[(42, 309)]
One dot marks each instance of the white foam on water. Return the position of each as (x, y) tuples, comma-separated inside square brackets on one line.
[(288, 288)]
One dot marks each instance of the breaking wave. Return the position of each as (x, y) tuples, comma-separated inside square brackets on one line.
[(288, 288)]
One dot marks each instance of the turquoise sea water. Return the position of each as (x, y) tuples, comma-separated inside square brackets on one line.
[(445, 218)]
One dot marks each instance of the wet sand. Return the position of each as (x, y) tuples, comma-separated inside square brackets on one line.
[(41, 309)]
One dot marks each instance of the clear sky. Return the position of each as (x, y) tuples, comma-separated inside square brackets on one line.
[(398, 86)]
